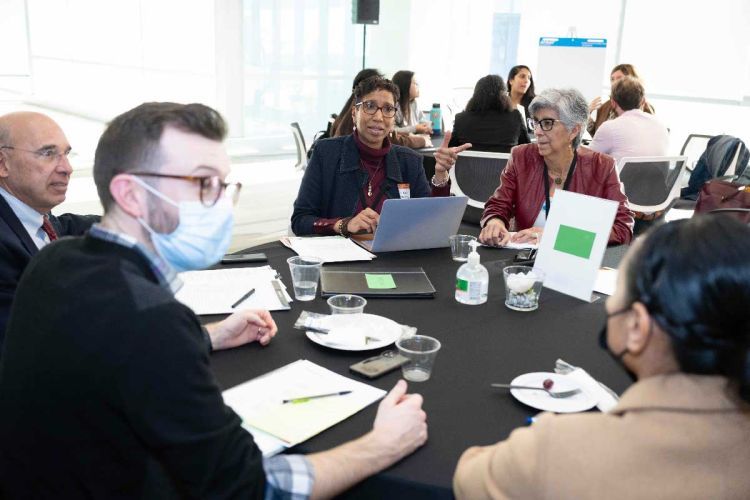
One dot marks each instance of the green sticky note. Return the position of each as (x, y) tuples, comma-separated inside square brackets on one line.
[(574, 241), (380, 281)]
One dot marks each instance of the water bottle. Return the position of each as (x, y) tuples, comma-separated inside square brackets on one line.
[(436, 116), (472, 280)]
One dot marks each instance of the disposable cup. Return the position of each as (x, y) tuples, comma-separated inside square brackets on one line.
[(305, 272)]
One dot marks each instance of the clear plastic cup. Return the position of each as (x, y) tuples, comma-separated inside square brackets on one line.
[(460, 248), (305, 272), (523, 284), (421, 351), (347, 304)]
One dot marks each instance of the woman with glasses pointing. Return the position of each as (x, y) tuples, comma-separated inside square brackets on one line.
[(349, 178), (557, 161)]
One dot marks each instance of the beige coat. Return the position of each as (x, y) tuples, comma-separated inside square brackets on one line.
[(671, 436)]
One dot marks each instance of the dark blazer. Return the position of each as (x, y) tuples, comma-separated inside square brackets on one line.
[(333, 179), (17, 248), (493, 131)]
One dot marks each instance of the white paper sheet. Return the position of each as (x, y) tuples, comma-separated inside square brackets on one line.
[(514, 246), (260, 401), (328, 248), (606, 281), (678, 213), (214, 291)]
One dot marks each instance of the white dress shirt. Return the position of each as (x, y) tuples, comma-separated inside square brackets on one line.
[(30, 218)]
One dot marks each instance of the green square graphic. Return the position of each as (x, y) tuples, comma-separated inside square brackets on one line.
[(574, 241), (380, 281)]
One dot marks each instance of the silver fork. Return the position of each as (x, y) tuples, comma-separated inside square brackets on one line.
[(554, 394)]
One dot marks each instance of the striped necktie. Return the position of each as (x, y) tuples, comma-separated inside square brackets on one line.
[(47, 228)]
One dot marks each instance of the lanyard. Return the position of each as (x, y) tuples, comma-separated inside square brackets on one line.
[(571, 169)]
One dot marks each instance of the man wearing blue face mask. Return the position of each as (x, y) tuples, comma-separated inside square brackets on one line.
[(106, 388)]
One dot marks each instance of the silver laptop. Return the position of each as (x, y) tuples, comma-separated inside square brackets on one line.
[(417, 223)]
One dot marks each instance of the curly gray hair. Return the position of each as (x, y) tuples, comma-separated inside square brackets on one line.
[(570, 106)]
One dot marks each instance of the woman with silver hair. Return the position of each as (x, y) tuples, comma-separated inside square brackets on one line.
[(536, 171)]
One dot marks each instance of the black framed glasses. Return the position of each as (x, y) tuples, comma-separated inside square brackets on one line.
[(47, 154), (211, 186), (545, 124), (371, 107)]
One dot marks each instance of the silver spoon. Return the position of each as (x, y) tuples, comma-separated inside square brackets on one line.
[(554, 394)]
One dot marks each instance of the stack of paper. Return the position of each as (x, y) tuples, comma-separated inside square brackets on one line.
[(260, 403), (328, 248), (215, 291)]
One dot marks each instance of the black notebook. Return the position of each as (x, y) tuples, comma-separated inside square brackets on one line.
[(405, 282)]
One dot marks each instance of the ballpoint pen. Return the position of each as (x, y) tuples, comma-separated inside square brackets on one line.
[(243, 298), (304, 399)]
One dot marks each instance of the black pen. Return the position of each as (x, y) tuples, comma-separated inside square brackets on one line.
[(242, 299), (304, 399)]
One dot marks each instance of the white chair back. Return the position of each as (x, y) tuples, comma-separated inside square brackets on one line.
[(651, 182)]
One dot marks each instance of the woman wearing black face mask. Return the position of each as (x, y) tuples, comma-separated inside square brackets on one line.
[(679, 321)]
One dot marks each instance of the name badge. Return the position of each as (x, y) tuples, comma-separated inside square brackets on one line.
[(403, 191)]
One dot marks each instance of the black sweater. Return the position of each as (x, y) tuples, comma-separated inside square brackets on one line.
[(493, 131), (106, 389)]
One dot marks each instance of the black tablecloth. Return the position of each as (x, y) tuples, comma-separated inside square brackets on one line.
[(480, 345)]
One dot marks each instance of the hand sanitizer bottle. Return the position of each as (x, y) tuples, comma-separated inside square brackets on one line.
[(472, 280)]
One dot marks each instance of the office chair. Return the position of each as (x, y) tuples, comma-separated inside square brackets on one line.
[(651, 182), (299, 141), (476, 175)]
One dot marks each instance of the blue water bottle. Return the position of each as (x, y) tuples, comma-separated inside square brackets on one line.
[(436, 116)]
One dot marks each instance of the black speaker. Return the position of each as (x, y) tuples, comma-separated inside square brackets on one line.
[(365, 11)]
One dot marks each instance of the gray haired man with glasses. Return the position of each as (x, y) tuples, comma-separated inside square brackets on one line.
[(34, 176)]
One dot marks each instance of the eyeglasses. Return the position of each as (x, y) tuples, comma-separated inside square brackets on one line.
[(371, 107), (212, 187), (49, 155), (545, 124)]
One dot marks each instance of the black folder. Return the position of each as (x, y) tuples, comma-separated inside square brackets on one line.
[(411, 282)]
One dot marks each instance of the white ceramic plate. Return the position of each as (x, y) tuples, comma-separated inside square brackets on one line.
[(543, 401), (349, 331)]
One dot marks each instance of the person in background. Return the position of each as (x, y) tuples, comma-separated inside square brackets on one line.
[(521, 91), (678, 322), (489, 122), (634, 132), (408, 117), (344, 124), (604, 111), (348, 178), (34, 177), (106, 388), (536, 171)]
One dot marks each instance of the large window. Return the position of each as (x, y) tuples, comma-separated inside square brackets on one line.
[(300, 58)]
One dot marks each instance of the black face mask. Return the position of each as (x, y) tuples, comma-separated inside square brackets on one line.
[(603, 343)]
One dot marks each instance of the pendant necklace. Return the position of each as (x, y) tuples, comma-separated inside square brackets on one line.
[(369, 180), (558, 181)]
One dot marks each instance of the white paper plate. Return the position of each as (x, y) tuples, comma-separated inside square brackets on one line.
[(359, 326), (543, 401)]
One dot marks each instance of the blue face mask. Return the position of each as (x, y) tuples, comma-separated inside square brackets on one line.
[(202, 235)]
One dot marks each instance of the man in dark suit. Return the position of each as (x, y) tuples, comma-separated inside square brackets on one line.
[(34, 176)]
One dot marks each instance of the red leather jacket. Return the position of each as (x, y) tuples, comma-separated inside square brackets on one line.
[(521, 190)]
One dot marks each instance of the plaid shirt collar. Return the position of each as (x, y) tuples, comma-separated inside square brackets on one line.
[(164, 273)]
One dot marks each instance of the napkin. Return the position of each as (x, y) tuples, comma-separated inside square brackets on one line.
[(606, 399)]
